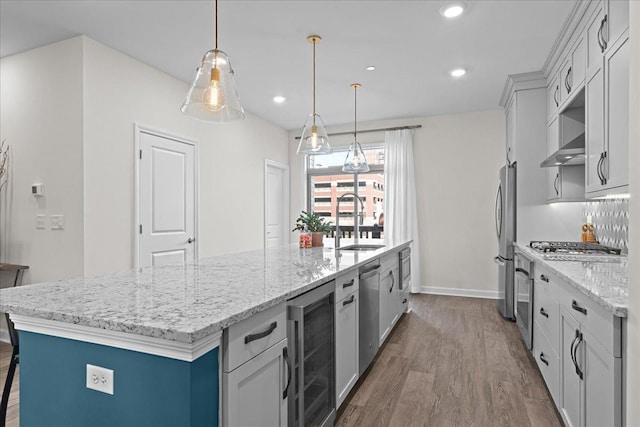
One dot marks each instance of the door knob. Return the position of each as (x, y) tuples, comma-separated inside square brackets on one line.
[(191, 240)]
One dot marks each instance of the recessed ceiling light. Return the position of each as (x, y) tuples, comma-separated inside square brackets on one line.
[(370, 68), (452, 11), (279, 99), (458, 72)]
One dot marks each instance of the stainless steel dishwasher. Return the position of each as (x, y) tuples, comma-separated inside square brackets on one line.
[(369, 313)]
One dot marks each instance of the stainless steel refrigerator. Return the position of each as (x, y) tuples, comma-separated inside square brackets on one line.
[(505, 218)]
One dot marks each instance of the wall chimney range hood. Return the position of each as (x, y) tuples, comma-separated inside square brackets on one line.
[(571, 154)]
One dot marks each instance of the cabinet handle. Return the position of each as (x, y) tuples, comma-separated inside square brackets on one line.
[(573, 348), (604, 159), (600, 177), (603, 44), (555, 95), (566, 81), (404, 301), (349, 283), (349, 301), (576, 307), (259, 335), (544, 278), (544, 313), (393, 281), (285, 355), (523, 271), (543, 359), (555, 184), (580, 339)]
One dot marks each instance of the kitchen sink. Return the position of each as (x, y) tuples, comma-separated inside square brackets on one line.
[(360, 247)]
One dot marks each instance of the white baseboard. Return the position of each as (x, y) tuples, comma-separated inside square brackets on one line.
[(471, 293)]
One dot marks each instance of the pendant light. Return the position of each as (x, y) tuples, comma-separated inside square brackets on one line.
[(314, 139), (213, 96), (356, 162)]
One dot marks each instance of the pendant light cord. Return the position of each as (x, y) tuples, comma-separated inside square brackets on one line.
[(216, 26), (314, 82), (355, 113)]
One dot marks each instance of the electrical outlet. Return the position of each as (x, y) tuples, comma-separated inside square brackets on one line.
[(100, 379), (57, 222), (40, 221)]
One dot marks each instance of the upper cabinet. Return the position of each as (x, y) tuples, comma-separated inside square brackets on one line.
[(607, 103), (572, 71), (511, 131)]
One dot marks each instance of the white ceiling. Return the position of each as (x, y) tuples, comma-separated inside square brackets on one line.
[(410, 43)]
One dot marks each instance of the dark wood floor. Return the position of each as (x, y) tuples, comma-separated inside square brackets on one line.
[(13, 419), (451, 361)]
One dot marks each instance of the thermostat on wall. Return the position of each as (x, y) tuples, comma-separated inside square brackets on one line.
[(37, 189)]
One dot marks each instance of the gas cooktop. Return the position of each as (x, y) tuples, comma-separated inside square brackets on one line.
[(569, 251)]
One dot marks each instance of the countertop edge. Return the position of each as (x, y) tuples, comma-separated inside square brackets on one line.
[(614, 309)]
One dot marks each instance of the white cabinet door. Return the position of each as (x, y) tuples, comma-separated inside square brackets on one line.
[(396, 304), (594, 40), (617, 20), (253, 393), (594, 130), (615, 166), (570, 383), (602, 394), (553, 102), (553, 173), (578, 63), (347, 339)]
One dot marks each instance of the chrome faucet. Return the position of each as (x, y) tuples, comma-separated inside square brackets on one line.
[(356, 229)]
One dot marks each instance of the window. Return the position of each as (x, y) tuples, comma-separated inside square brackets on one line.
[(326, 183)]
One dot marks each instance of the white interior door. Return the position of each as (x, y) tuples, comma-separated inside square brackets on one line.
[(166, 197), (276, 203)]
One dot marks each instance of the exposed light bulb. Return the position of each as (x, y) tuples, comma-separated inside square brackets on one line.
[(212, 97), (314, 137)]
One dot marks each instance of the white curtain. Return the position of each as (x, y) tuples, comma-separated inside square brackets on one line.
[(401, 209)]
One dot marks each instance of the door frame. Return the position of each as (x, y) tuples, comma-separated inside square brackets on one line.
[(285, 200), (139, 129)]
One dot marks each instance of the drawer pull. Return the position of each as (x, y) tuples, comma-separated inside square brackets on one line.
[(544, 278), (544, 313), (404, 301), (576, 307), (259, 335), (349, 283), (349, 301), (543, 359)]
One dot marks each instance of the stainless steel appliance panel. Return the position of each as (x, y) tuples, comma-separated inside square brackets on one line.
[(369, 310), (524, 297), (505, 223), (311, 332)]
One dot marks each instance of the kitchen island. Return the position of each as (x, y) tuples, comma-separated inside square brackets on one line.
[(158, 329)]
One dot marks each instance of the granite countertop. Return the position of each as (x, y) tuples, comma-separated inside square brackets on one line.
[(186, 303), (604, 279)]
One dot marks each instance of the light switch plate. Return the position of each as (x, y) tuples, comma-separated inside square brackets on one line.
[(40, 222), (57, 222), (100, 379)]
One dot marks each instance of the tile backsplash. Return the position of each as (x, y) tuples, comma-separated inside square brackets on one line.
[(610, 219)]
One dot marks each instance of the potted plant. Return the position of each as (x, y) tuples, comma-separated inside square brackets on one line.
[(315, 224)]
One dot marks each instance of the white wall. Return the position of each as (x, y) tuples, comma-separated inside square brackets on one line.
[(633, 321), (457, 162), (41, 118), (120, 91)]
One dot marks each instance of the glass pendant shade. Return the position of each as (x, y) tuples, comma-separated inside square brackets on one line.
[(314, 139), (213, 96), (356, 162)]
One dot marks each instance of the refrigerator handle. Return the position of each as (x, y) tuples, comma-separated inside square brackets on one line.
[(498, 261), (498, 206)]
